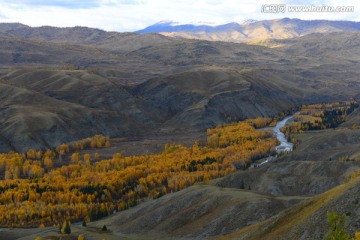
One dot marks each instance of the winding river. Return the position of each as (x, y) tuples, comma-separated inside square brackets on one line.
[(284, 144)]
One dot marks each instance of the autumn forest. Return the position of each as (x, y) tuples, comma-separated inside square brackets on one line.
[(37, 191)]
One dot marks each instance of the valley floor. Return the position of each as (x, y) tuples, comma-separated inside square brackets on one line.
[(277, 200)]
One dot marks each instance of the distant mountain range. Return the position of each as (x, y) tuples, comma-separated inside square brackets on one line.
[(250, 30)]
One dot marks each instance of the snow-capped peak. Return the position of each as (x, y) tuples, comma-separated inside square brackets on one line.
[(194, 23), (167, 22), (200, 23), (248, 21)]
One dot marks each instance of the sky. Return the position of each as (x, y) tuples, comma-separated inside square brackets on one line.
[(132, 15)]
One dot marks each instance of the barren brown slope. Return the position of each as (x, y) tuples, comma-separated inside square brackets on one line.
[(256, 80), (79, 87), (184, 84), (206, 96), (197, 212), (79, 35), (114, 41), (327, 145), (31, 119), (353, 120), (307, 220), (19, 52), (334, 45), (291, 178), (183, 52)]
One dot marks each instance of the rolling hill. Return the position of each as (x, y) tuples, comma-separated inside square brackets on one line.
[(251, 30), (159, 85), (307, 220)]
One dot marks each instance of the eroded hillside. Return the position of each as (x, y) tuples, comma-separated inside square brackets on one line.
[(127, 85)]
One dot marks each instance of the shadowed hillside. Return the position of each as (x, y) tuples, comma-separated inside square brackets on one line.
[(128, 84), (199, 212), (32, 119)]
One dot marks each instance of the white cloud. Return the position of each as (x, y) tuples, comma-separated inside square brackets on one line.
[(130, 15)]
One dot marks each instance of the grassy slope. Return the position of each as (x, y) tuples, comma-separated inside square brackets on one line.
[(197, 212), (285, 224), (210, 208)]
